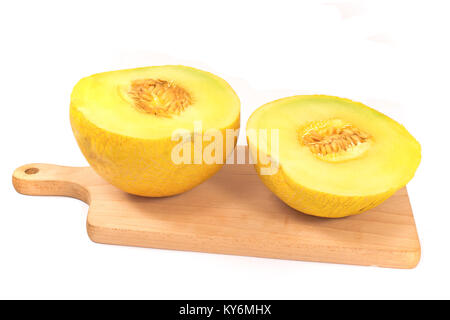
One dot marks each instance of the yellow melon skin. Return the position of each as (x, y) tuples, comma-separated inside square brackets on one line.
[(138, 166), (138, 161), (314, 202), (321, 184)]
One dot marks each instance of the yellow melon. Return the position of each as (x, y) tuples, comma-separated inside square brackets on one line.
[(333, 157), (125, 123)]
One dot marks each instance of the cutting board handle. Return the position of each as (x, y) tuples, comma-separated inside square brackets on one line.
[(39, 179)]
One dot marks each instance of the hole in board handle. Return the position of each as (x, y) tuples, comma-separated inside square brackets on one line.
[(31, 170)]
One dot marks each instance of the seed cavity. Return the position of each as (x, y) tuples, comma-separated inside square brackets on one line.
[(159, 97), (334, 140)]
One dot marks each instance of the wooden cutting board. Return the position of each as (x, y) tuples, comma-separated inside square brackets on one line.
[(231, 213)]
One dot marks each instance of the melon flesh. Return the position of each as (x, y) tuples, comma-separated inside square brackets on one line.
[(124, 122), (340, 183)]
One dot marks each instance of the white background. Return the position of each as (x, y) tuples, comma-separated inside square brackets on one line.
[(392, 55)]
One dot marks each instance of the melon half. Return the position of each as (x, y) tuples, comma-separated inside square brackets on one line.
[(334, 157), (125, 123)]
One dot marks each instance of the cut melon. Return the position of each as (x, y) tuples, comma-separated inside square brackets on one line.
[(125, 123), (334, 158)]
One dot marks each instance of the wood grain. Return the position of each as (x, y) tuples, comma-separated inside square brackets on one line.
[(231, 213)]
